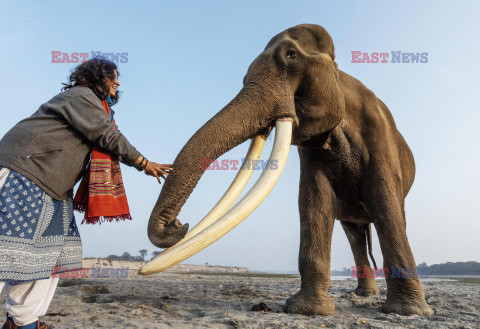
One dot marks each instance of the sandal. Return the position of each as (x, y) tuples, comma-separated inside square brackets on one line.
[(10, 324)]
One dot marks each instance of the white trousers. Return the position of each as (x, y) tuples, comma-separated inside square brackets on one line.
[(26, 302)]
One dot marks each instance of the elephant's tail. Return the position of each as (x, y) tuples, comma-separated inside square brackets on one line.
[(369, 244)]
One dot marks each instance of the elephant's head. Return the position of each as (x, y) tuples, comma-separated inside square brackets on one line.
[(294, 77)]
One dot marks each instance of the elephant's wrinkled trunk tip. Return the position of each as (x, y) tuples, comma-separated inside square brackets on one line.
[(166, 235)]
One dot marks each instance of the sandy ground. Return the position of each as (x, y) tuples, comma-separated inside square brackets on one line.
[(224, 300)]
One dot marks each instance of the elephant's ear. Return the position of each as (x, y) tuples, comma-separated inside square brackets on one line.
[(319, 101)]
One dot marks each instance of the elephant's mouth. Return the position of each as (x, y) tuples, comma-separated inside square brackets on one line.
[(223, 217)]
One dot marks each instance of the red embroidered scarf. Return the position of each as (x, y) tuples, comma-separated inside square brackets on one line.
[(101, 194)]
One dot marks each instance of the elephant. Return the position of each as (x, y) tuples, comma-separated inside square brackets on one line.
[(355, 167)]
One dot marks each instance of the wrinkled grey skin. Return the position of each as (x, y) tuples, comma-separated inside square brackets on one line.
[(355, 165)]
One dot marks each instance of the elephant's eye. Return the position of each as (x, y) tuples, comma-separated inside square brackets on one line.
[(291, 54)]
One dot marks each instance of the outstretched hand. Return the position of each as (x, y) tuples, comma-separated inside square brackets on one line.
[(158, 170)]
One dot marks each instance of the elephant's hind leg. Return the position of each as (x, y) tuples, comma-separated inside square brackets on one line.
[(316, 225), (404, 291), (358, 242)]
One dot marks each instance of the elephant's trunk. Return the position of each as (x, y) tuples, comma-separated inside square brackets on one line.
[(244, 117)]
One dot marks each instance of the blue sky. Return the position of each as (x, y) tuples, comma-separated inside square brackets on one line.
[(187, 59)]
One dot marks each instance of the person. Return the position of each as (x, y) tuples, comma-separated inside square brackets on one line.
[(71, 137)]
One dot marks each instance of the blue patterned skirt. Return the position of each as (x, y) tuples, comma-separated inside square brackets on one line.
[(37, 232)]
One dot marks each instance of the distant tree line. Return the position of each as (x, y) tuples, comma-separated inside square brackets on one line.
[(344, 272), (449, 268), (127, 257)]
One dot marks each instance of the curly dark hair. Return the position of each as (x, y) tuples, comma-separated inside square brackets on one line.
[(93, 74)]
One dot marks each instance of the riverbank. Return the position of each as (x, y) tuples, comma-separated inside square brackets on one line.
[(196, 299)]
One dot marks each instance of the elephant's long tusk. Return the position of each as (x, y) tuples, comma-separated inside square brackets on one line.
[(258, 193), (233, 192)]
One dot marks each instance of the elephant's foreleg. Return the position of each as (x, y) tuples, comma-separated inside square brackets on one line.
[(358, 242), (404, 291), (316, 200)]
